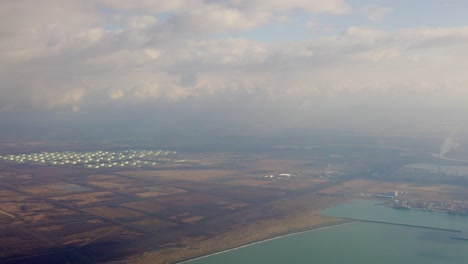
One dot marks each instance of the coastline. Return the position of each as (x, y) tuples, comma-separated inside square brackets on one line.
[(319, 227), (306, 217)]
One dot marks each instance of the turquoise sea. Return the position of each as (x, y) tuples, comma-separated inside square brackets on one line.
[(362, 242)]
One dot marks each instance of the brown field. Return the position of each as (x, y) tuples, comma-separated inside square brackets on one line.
[(304, 217), (48, 172), (158, 190), (132, 186), (128, 213), (24, 176), (15, 242), (15, 199), (87, 198), (113, 181), (48, 228), (78, 239), (252, 195), (270, 165), (249, 182), (11, 196), (149, 194), (146, 206), (291, 184), (153, 224), (192, 175), (8, 193), (113, 212), (104, 177), (49, 189), (198, 187), (108, 184), (34, 211), (193, 200)]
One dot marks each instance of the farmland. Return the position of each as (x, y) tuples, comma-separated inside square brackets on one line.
[(60, 206)]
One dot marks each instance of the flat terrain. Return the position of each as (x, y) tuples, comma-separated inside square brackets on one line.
[(187, 206), (55, 214)]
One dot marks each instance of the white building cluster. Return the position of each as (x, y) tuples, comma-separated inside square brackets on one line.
[(281, 175), (96, 159)]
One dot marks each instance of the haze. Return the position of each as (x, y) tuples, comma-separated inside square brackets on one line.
[(191, 131), (233, 66)]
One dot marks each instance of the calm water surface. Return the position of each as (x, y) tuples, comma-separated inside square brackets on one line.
[(362, 242)]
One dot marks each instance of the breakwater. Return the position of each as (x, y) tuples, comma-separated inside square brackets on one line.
[(410, 225)]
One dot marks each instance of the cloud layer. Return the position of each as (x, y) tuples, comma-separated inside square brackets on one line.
[(69, 55)]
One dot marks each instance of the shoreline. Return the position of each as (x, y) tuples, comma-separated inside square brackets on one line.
[(320, 227)]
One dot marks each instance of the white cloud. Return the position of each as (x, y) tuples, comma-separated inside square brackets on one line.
[(142, 21), (312, 6), (116, 94), (376, 12), (150, 89), (152, 6), (311, 24), (147, 6), (44, 58), (217, 18)]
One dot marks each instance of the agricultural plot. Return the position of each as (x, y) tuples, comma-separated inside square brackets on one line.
[(68, 212)]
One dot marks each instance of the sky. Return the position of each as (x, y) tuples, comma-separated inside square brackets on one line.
[(244, 66)]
